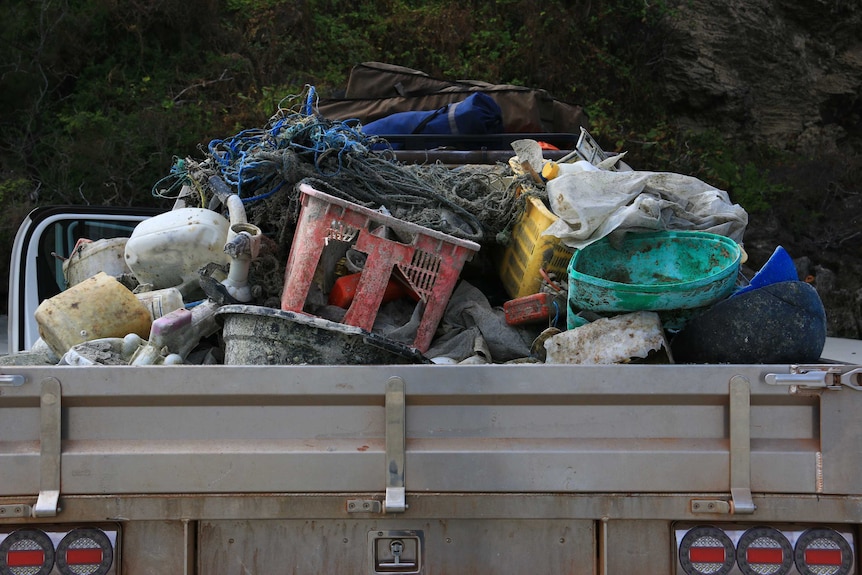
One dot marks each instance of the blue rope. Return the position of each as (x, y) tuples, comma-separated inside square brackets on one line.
[(309, 101), (245, 160), (237, 157), (263, 196)]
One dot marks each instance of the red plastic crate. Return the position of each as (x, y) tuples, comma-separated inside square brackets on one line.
[(430, 263)]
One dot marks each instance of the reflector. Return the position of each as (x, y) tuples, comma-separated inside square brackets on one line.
[(823, 556), (823, 551), (768, 556), (25, 558), (26, 552), (83, 556), (84, 552), (764, 551), (733, 548), (706, 550), (706, 554)]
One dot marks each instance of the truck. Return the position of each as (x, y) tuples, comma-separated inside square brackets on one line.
[(415, 469)]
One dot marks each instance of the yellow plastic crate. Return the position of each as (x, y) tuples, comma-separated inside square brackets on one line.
[(529, 251)]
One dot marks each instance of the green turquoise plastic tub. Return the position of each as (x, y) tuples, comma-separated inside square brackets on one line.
[(657, 271)]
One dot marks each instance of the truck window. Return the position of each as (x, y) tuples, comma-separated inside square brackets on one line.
[(57, 242), (45, 238)]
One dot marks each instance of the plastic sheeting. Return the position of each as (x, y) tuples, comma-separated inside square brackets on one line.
[(592, 205)]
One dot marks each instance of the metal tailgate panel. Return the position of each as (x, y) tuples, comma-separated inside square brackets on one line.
[(527, 428), (462, 546)]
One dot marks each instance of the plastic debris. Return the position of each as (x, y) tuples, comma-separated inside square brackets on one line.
[(618, 339)]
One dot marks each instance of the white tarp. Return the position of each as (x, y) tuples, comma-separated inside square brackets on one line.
[(591, 205)]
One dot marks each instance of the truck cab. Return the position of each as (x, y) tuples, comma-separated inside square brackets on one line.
[(45, 238)]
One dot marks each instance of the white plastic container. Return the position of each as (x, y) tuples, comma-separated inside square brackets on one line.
[(167, 250), (161, 302), (91, 257), (553, 169), (95, 308)]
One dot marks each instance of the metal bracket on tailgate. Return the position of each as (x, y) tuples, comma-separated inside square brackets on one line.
[(49, 443), (740, 446), (12, 380), (740, 502), (817, 377), (395, 446)]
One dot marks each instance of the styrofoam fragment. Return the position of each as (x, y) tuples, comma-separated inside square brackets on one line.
[(616, 339)]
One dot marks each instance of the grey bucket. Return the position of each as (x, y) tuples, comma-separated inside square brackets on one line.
[(257, 335)]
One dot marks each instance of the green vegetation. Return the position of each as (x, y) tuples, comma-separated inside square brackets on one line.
[(97, 97), (724, 167)]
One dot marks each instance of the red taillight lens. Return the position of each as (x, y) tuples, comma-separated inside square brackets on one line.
[(60, 549), (84, 552), (706, 550), (764, 550), (823, 552), (26, 552), (782, 549)]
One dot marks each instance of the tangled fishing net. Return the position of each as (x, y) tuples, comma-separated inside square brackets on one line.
[(264, 166)]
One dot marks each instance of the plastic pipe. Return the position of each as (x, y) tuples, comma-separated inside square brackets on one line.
[(242, 248), (236, 214)]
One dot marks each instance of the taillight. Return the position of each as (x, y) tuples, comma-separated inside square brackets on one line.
[(26, 552), (735, 549), (764, 551), (85, 552), (706, 550), (59, 550), (823, 552)]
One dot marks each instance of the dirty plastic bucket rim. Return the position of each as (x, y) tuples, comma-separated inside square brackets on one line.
[(662, 287), (295, 316), (370, 339)]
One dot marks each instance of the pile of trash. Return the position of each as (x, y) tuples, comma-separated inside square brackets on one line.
[(306, 242)]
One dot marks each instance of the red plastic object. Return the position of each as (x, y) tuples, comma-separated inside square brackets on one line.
[(529, 308), (344, 291), (430, 263)]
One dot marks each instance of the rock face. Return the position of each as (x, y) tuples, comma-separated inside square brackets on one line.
[(785, 73)]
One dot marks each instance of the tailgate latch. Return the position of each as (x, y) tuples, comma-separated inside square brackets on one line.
[(817, 377)]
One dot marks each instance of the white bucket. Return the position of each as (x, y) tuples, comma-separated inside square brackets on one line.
[(91, 257)]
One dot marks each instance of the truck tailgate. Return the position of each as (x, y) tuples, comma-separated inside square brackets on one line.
[(469, 429)]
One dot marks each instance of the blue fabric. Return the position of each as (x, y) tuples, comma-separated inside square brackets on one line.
[(477, 114)]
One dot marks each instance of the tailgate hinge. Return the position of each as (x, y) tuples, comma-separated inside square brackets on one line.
[(396, 441), (741, 502), (740, 446), (47, 505)]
